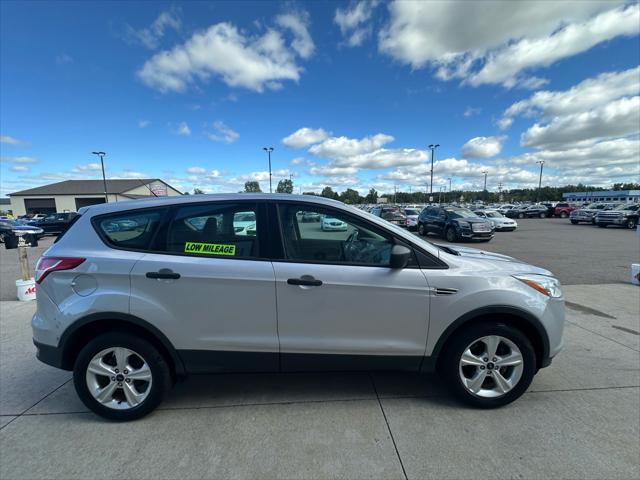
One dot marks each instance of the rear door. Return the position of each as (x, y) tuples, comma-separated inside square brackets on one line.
[(340, 305), (209, 288)]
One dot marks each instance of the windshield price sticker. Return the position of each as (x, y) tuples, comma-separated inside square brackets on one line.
[(210, 248)]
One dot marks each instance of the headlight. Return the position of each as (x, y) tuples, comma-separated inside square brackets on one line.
[(464, 224), (548, 286)]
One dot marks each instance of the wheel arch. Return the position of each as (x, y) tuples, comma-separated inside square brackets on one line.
[(527, 323), (87, 328)]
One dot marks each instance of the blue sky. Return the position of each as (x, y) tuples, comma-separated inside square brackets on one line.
[(348, 93)]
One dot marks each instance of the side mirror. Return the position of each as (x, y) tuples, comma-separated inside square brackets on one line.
[(399, 256)]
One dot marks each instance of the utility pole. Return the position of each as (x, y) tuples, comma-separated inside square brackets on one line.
[(433, 149), (445, 198), (485, 185), (541, 162), (104, 179), (269, 150), (395, 194)]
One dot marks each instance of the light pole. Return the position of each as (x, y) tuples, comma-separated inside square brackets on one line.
[(541, 162), (445, 198), (269, 150), (485, 185), (432, 147), (104, 179)]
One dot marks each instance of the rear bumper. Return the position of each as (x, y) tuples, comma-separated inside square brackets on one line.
[(51, 355)]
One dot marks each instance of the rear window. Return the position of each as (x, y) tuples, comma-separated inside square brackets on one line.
[(130, 230)]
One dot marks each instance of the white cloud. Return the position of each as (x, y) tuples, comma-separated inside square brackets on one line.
[(223, 133), (471, 111), (196, 170), (19, 168), (353, 21), (183, 129), (482, 147), (150, 37), (343, 147), (495, 41), (21, 159), (143, 123), (297, 161), (11, 140), (94, 167), (618, 118), (304, 137), (298, 24), (383, 158), (63, 59), (588, 94), (329, 171), (240, 60)]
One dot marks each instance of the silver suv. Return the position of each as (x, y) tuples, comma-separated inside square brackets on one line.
[(136, 295)]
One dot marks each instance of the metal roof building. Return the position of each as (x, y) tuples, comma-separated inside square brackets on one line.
[(70, 195), (628, 196)]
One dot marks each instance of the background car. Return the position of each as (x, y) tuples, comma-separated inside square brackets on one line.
[(392, 214), (412, 217), (56, 223), (588, 214), (11, 230), (563, 210), (330, 224), (454, 224), (499, 221), (532, 211), (622, 216)]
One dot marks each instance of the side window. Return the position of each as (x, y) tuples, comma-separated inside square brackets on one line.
[(132, 229), (335, 238), (225, 230)]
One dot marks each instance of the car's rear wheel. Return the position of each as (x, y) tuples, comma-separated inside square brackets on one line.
[(450, 235), (575, 222), (488, 365), (121, 377), (631, 224), (521, 215), (421, 230), (564, 214), (602, 225), (543, 215)]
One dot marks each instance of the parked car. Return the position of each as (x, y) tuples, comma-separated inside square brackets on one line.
[(56, 223), (588, 213), (537, 211), (499, 221), (331, 224), (130, 315), (504, 208), (412, 217), (563, 210), (310, 217), (12, 230), (454, 224), (622, 216), (391, 214)]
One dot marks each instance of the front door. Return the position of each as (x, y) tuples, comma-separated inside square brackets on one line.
[(340, 306), (208, 288)]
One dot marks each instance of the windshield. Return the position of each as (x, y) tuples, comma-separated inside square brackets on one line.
[(494, 215), (461, 213), (626, 207), (411, 211)]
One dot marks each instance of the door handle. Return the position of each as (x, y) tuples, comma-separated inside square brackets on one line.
[(164, 274), (305, 280)]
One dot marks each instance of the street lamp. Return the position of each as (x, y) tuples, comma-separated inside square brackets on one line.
[(449, 178), (433, 149), (485, 184), (269, 150), (541, 162), (104, 179)]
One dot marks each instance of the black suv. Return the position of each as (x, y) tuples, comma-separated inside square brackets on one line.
[(454, 224), (532, 211), (55, 223)]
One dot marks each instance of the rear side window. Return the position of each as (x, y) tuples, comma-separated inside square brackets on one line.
[(224, 230), (130, 230)]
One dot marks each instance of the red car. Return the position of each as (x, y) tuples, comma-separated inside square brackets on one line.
[(563, 210)]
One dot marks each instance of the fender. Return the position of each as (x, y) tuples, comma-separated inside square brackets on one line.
[(530, 320), (126, 318)]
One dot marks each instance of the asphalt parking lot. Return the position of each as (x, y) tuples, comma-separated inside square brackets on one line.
[(579, 419)]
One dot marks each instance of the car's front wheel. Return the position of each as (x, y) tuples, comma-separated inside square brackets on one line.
[(421, 230), (543, 215), (575, 222), (121, 377), (488, 365), (564, 215), (450, 234), (631, 223), (521, 215)]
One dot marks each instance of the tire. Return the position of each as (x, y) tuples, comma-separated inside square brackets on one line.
[(450, 235), (543, 215), (451, 369), (143, 353), (421, 230), (521, 215), (575, 222), (564, 214), (602, 225), (631, 224)]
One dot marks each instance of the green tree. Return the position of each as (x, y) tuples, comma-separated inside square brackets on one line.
[(197, 191), (328, 192), (252, 187), (372, 196), (285, 186), (351, 196)]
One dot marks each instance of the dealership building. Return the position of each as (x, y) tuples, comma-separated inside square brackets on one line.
[(71, 195), (620, 196)]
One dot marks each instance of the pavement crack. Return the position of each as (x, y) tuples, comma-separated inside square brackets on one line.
[(602, 336), (625, 329)]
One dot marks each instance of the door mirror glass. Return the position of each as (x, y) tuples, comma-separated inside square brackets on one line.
[(399, 256)]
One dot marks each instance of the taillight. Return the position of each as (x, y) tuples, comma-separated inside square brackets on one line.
[(46, 265)]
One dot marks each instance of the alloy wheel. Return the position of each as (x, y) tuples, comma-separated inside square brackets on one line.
[(491, 366), (119, 378)]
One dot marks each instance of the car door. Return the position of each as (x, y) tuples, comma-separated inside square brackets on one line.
[(209, 287), (340, 306)]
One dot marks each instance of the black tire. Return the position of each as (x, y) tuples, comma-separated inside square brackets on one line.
[(161, 376), (631, 224), (450, 235), (421, 230), (448, 366), (543, 215), (564, 214), (575, 222), (521, 215)]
